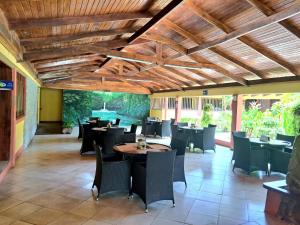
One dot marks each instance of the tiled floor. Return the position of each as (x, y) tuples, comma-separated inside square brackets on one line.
[(51, 185)]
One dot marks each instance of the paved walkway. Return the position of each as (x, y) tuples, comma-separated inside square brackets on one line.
[(51, 185)]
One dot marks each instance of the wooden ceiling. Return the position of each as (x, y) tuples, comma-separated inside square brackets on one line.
[(147, 46)]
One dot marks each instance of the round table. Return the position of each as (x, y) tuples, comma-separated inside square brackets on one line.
[(132, 148), (277, 143), (100, 129), (91, 121)]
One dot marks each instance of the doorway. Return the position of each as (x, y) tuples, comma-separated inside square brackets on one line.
[(5, 118)]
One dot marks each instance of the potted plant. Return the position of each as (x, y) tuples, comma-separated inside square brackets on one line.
[(67, 127)]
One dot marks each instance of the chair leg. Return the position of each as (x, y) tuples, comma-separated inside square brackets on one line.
[(233, 169), (146, 208), (185, 184), (173, 203)]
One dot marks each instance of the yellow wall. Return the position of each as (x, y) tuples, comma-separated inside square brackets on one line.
[(19, 134), (157, 113), (51, 105), (283, 87)]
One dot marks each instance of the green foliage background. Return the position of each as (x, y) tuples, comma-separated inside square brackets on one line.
[(79, 104)]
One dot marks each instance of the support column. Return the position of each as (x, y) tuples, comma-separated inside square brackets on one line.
[(178, 108), (13, 119), (237, 109), (166, 108)]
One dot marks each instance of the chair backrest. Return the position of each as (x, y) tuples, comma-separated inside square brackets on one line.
[(173, 121), (212, 125), (112, 137), (117, 121), (133, 128), (284, 137), (99, 158), (173, 129), (239, 133), (242, 152), (102, 123), (179, 145), (94, 118), (159, 170), (209, 137), (79, 123), (182, 124)]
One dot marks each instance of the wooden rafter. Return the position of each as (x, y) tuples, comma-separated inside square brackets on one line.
[(183, 51), (60, 21), (150, 24), (239, 33), (38, 41), (186, 76), (268, 11), (198, 40)]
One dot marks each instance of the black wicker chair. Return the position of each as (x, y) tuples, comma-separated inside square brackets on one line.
[(112, 173), (237, 134), (117, 123), (249, 157), (80, 129), (288, 138), (173, 121), (153, 181), (94, 118), (130, 137), (87, 139), (110, 138), (148, 128), (205, 139), (102, 123), (180, 146), (163, 129), (182, 124), (173, 129), (279, 161)]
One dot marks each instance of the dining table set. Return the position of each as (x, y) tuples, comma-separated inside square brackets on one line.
[(265, 154)]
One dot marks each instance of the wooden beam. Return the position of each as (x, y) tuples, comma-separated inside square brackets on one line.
[(237, 62), (33, 42), (268, 11), (186, 76), (182, 80), (154, 21), (107, 86), (30, 23), (239, 33), (67, 66), (188, 65), (216, 50)]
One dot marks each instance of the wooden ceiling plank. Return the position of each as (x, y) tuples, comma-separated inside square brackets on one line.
[(30, 23), (186, 76), (239, 33), (182, 50), (154, 21), (268, 11), (216, 50), (31, 42)]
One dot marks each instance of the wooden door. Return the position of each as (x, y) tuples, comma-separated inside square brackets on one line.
[(5, 114)]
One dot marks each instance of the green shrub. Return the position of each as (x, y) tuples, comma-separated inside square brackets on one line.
[(207, 117), (224, 121)]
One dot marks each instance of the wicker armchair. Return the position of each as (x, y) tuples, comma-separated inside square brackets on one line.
[(117, 123), (130, 137), (102, 123), (148, 128), (110, 138), (279, 161), (237, 134), (112, 173), (182, 124), (205, 140), (153, 181), (180, 146), (288, 138), (87, 139), (163, 129), (249, 157)]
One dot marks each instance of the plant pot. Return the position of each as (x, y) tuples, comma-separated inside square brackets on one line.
[(67, 130)]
